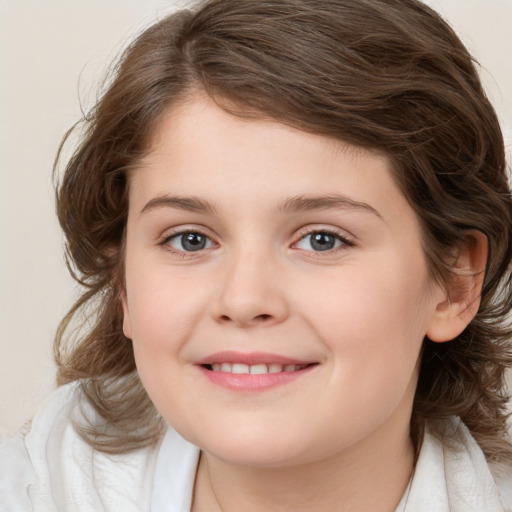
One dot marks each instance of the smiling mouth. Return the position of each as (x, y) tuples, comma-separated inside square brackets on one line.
[(255, 369)]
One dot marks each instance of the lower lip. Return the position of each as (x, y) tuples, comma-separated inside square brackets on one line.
[(253, 382)]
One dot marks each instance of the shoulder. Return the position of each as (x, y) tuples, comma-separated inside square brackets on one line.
[(503, 476), (16, 472), (453, 474), (464, 452), (22, 454), (48, 466)]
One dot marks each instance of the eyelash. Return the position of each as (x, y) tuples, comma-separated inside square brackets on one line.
[(165, 242), (345, 242)]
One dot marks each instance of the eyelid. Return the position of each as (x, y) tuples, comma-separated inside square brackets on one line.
[(172, 233), (346, 239)]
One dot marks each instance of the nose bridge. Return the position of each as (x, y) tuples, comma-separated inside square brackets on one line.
[(251, 291)]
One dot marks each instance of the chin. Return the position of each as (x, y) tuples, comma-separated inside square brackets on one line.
[(262, 451)]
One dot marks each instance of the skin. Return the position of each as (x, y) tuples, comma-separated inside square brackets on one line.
[(339, 434)]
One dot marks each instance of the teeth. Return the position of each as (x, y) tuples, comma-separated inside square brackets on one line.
[(275, 368), (240, 368), (256, 369)]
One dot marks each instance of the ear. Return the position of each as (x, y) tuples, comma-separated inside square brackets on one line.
[(127, 324), (460, 298)]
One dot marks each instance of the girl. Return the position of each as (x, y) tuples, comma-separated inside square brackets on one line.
[(293, 224)]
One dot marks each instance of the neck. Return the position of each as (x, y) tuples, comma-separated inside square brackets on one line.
[(371, 476)]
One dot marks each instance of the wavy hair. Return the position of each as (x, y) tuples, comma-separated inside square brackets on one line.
[(389, 75)]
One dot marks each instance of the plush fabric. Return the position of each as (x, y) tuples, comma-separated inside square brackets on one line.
[(51, 469), (452, 475), (47, 467)]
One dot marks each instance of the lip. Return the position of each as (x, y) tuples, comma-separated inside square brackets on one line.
[(247, 382), (250, 358)]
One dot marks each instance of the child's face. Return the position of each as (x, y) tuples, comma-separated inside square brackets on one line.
[(253, 243)]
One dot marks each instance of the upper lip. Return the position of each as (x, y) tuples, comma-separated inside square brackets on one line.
[(250, 358)]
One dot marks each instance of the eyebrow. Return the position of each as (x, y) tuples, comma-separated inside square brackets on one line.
[(327, 202), (187, 203), (296, 204)]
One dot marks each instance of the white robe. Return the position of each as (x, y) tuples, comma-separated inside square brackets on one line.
[(47, 467)]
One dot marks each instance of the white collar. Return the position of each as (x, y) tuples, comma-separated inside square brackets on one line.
[(173, 483), (451, 475)]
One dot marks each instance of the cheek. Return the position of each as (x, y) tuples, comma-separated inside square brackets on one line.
[(375, 311), (164, 309), (161, 318)]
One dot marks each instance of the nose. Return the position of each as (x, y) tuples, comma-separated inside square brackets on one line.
[(251, 293)]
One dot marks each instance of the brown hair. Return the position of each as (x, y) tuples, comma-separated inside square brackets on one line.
[(389, 75)]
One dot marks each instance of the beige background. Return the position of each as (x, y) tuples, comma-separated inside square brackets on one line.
[(52, 56)]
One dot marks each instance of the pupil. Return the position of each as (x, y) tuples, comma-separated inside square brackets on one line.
[(193, 242), (322, 241)]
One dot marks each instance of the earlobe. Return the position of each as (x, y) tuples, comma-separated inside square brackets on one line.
[(461, 297), (127, 325)]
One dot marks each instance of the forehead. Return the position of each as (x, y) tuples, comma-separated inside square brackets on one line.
[(199, 149)]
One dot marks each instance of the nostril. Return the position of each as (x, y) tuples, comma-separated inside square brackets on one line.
[(263, 317), (258, 318)]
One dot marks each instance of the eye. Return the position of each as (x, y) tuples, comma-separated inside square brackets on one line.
[(319, 241), (189, 241)]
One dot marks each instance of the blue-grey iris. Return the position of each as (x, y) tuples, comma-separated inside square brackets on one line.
[(322, 241), (193, 241)]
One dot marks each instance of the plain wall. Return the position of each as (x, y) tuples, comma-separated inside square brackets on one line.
[(52, 55)]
